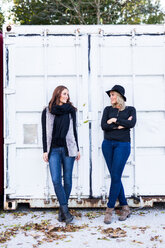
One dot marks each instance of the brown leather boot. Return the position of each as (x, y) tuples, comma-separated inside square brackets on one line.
[(125, 213), (108, 215)]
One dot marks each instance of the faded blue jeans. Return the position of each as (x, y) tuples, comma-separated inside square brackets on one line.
[(56, 159), (116, 154)]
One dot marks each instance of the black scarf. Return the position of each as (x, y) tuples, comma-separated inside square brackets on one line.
[(61, 123)]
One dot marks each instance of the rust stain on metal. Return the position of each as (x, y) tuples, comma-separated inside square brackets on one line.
[(147, 201), (154, 199)]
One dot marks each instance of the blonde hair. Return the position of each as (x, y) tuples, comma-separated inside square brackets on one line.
[(120, 102)]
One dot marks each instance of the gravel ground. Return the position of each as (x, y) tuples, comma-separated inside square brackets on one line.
[(26, 228)]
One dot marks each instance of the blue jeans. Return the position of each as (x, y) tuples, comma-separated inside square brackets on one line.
[(56, 159), (116, 154)]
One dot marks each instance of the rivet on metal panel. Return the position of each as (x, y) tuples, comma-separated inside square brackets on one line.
[(45, 37), (133, 38), (101, 31), (77, 31), (77, 40), (45, 32), (101, 35), (103, 194)]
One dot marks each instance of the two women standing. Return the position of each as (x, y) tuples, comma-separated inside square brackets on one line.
[(60, 146)]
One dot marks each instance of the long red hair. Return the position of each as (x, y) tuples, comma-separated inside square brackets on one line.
[(55, 100)]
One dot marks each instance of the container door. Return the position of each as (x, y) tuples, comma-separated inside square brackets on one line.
[(35, 65), (111, 58), (149, 64)]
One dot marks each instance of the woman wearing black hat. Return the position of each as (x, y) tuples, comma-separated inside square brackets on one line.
[(116, 123)]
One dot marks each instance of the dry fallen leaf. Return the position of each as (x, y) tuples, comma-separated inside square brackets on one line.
[(104, 238), (156, 238), (36, 236), (18, 214), (137, 242), (93, 215), (67, 228), (6, 235), (77, 214), (120, 240), (114, 233)]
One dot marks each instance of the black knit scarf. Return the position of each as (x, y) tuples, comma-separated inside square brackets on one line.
[(61, 122)]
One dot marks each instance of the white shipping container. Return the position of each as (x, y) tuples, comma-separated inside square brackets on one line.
[(88, 60)]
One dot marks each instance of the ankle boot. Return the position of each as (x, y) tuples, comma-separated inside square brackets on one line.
[(125, 213), (108, 215), (60, 216), (65, 212)]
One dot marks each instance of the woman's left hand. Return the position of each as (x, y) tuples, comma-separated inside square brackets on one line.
[(120, 127), (130, 118), (78, 156)]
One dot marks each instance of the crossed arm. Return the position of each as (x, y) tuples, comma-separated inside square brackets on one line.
[(118, 123), (114, 120)]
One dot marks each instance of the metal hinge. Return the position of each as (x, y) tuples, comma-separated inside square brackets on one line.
[(90, 116), (9, 91), (9, 191), (8, 141)]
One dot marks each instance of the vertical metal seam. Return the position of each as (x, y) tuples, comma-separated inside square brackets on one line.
[(77, 59), (101, 38), (7, 67), (90, 124), (45, 45), (134, 134)]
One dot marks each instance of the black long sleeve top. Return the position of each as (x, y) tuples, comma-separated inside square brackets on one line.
[(53, 144), (111, 131)]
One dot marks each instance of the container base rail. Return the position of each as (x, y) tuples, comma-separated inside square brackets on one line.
[(140, 202)]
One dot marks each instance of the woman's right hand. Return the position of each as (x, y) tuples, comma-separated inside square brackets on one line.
[(111, 120), (45, 157), (78, 156)]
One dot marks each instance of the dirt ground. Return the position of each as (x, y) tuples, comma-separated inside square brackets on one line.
[(26, 228)]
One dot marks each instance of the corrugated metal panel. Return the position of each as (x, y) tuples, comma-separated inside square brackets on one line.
[(89, 60), (138, 63), (36, 66), (112, 64)]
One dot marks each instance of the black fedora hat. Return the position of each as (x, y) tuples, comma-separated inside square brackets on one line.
[(118, 88)]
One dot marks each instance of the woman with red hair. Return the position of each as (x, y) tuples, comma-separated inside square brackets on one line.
[(60, 146)]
